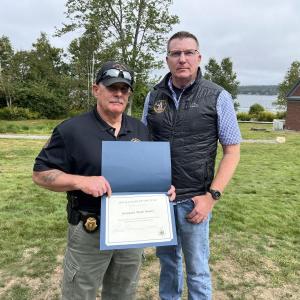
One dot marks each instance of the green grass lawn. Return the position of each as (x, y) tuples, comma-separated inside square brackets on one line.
[(28, 126), (255, 230)]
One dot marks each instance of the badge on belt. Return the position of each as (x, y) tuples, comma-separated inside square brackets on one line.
[(90, 223)]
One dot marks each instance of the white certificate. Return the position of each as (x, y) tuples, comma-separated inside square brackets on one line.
[(139, 213), (137, 221)]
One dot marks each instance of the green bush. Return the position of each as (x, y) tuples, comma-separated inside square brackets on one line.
[(17, 113), (243, 116), (255, 109), (73, 113), (281, 115), (266, 116), (40, 97)]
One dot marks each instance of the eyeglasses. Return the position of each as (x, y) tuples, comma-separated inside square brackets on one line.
[(187, 53), (115, 73)]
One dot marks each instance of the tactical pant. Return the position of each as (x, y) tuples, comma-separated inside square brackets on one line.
[(86, 268)]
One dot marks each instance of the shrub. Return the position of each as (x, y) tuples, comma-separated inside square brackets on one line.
[(17, 113), (73, 113), (243, 116), (281, 115), (38, 96), (266, 116), (255, 109)]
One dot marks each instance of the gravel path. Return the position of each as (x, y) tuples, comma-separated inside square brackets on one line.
[(45, 137), (24, 136)]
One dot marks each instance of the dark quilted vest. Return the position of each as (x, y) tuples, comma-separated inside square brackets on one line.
[(191, 130)]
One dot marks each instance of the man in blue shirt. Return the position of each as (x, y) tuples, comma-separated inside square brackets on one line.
[(193, 114)]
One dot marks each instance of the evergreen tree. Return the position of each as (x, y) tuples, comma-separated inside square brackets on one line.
[(223, 75), (41, 79), (290, 79)]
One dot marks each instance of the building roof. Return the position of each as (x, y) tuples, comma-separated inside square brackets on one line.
[(294, 93)]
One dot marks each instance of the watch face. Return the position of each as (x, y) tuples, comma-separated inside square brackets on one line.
[(215, 194)]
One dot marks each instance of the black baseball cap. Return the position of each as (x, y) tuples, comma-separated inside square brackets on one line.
[(114, 72)]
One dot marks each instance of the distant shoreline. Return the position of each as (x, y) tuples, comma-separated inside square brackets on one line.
[(269, 90), (246, 100)]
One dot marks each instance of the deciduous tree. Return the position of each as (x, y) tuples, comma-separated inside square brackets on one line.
[(6, 83), (133, 31), (223, 75)]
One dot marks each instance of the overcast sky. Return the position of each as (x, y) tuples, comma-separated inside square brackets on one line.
[(262, 37)]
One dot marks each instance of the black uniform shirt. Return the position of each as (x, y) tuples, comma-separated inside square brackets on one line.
[(75, 148)]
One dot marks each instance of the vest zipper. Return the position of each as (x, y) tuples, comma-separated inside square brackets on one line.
[(176, 113)]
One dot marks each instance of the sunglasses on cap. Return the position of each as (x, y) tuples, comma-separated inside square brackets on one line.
[(115, 73)]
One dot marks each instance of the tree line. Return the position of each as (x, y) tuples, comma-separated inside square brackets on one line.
[(50, 81), (53, 82), (258, 89)]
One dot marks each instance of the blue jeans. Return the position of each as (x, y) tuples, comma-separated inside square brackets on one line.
[(193, 240)]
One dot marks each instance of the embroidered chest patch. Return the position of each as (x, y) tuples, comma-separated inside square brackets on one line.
[(160, 106)]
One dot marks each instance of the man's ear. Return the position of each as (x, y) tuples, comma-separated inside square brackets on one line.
[(200, 57), (95, 89), (167, 60)]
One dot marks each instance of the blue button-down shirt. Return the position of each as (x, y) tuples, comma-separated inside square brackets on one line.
[(228, 128)]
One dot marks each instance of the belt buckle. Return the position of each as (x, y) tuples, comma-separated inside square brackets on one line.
[(90, 223)]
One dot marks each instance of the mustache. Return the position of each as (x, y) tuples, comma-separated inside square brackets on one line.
[(117, 100)]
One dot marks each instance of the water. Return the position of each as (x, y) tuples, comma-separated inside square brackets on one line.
[(265, 100)]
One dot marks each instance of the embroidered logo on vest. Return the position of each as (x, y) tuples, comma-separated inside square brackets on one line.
[(135, 140), (160, 106)]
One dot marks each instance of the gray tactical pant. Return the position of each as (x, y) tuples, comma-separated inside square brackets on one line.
[(86, 268)]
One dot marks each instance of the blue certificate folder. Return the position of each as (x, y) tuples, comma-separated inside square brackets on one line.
[(136, 169)]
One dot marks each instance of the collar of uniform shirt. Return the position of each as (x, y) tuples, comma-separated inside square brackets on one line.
[(175, 99), (125, 125)]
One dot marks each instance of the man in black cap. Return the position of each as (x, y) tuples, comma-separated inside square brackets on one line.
[(71, 162)]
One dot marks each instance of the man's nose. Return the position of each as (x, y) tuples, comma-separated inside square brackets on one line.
[(117, 91), (182, 57)]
